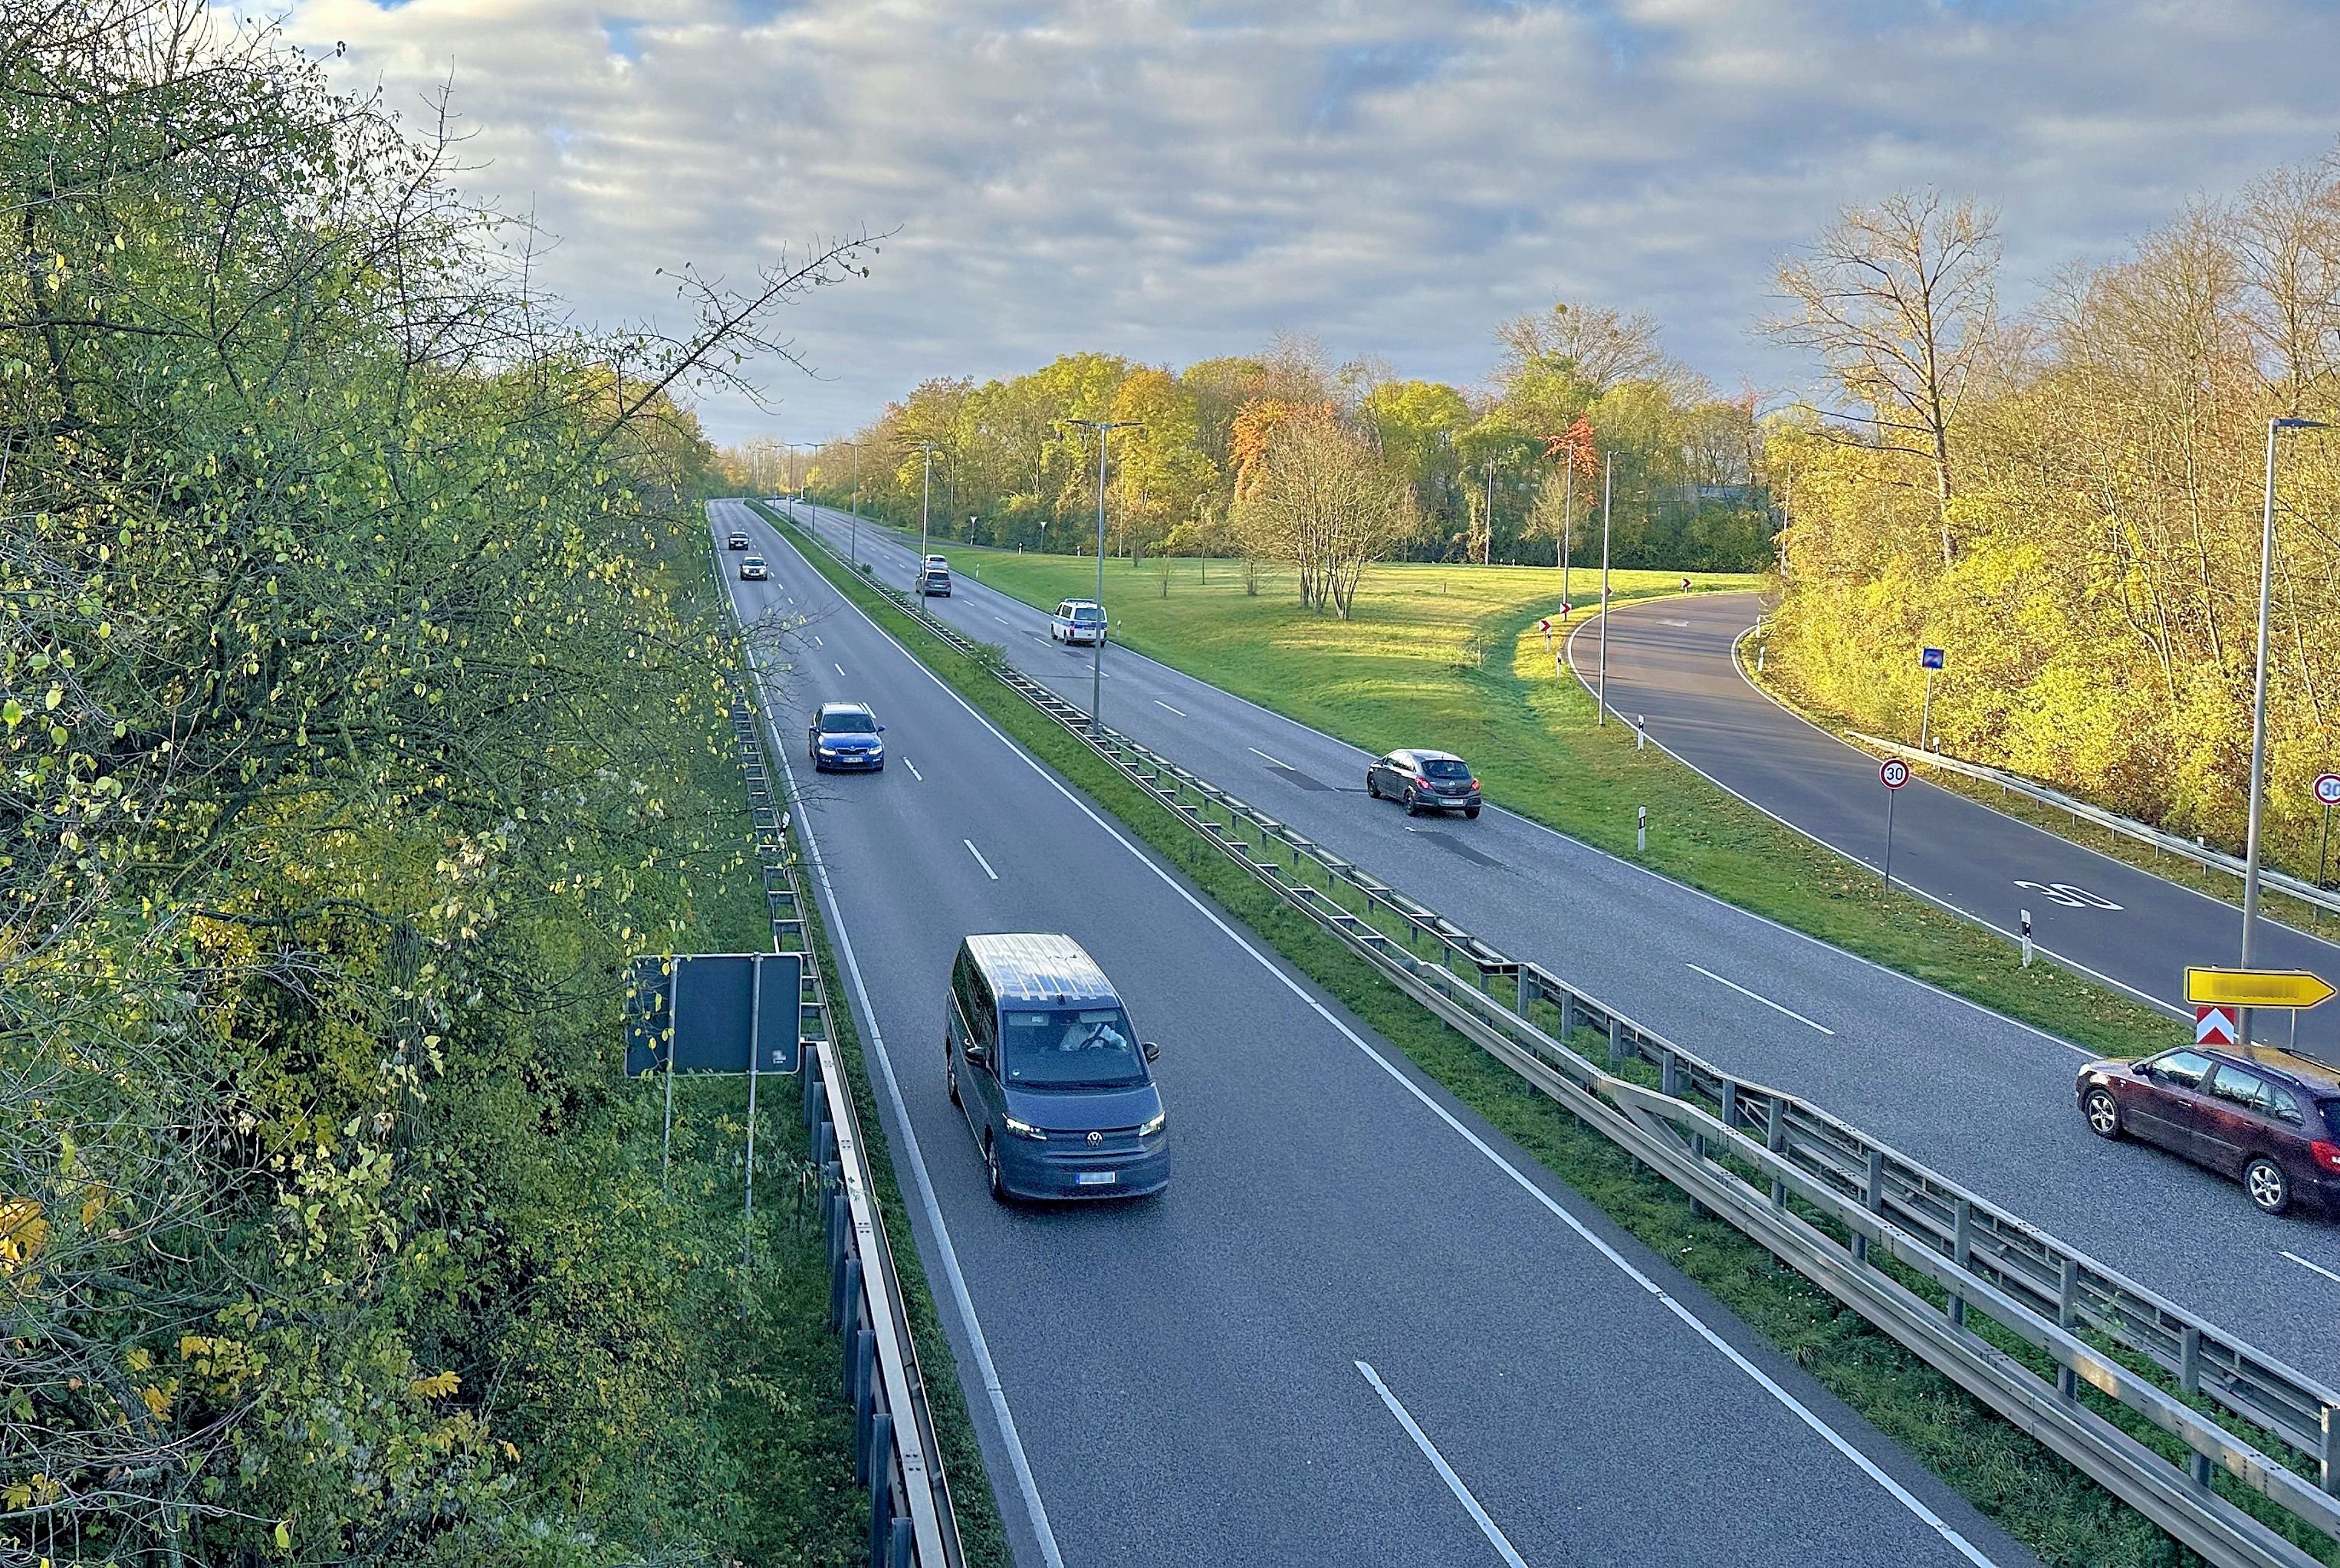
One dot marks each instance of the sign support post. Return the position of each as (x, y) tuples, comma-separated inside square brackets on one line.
[(1892, 775), (2327, 791), (1931, 657), (748, 1210), (673, 994)]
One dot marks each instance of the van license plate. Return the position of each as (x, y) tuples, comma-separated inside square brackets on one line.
[(1096, 1179)]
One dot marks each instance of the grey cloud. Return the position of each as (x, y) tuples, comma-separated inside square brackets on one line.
[(1394, 177)]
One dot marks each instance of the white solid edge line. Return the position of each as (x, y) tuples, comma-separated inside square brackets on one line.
[(2069, 843), (1848, 855), (979, 860), (1758, 996), (1803, 1413), (1495, 1536), (914, 770), (2313, 1267), (986, 1369)]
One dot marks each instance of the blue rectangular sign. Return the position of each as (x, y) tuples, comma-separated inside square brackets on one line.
[(1931, 659)]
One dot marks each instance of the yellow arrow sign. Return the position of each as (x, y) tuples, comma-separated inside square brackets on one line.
[(2255, 988)]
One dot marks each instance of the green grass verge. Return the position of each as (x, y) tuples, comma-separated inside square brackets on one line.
[(1450, 656), (2038, 1499)]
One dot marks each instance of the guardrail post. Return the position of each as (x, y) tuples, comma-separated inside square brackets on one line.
[(1616, 1042), (1526, 991), (846, 1295), (2189, 1360), (1570, 1018), (1872, 1193), (1961, 1249), (881, 1498), (2328, 1462), (2067, 1285), (1730, 1104), (1775, 1138), (862, 1366), (1666, 1074), (897, 1550)]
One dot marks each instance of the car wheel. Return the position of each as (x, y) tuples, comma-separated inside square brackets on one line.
[(2103, 1113), (2270, 1188), (950, 1071), (1373, 787), (991, 1165), (1471, 812), (1413, 806)]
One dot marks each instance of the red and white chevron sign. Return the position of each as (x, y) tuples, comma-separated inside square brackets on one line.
[(2215, 1026)]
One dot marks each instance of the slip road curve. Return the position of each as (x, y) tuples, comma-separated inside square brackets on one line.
[(1360, 1326), (1979, 1096), (1671, 661)]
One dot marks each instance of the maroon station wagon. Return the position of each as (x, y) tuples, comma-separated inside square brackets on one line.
[(2268, 1119)]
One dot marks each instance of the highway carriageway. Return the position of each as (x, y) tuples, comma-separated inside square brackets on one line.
[(1985, 1100), (1361, 1327)]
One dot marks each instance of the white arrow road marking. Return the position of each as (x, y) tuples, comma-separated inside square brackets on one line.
[(1495, 1536), (1767, 1001), (979, 860)]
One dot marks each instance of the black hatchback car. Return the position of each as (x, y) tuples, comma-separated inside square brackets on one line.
[(1424, 781), (2268, 1119)]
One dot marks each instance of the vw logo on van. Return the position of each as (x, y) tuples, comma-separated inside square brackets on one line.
[(1096, 1138)]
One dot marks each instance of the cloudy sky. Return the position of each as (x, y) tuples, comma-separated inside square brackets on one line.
[(1392, 176)]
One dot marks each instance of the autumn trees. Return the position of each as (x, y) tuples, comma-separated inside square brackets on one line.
[(2071, 502), (352, 678)]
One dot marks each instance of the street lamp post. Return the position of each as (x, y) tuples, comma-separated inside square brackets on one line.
[(1105, 429), (1601, 700), (2259, 713), (805, 446)]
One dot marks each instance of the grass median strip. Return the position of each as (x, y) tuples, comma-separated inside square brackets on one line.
[(2035, 1496), (1454, 656)]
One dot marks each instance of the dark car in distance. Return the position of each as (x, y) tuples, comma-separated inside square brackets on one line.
[(2268, 1119), (737, 539), (845, 735), (1424, 781)]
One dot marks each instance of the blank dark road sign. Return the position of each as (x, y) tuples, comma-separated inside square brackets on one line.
[(720, 1011)]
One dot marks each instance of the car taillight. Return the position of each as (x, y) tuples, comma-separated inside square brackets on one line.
[(1420, 782), (1475, 783), (2326, 1153)]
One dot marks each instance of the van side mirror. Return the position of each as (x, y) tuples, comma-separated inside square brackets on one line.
[(1153, 1052), (978, 1055)]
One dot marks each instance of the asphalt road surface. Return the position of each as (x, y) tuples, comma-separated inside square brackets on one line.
[(1184, 1379), (1671, 661), (1987, 1101)]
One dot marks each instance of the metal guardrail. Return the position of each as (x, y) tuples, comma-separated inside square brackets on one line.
[(2111, 821), (1962, 1283), (896, 1453)]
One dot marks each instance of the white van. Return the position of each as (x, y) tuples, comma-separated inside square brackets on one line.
[(1079, 620)]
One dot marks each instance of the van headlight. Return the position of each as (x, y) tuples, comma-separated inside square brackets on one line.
[(1152, 1123), (1025, 1130)]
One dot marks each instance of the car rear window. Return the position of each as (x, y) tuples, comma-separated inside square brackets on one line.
[(1446, 768), (1087, 612), (2329, 1110)]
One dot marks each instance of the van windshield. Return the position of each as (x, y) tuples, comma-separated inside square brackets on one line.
[(1065, 1048)]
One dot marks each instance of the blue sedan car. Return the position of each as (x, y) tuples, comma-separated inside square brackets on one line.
[(844, 735)]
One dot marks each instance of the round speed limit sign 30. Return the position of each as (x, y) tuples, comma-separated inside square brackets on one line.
[(2327, 788), (1895, 773)]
